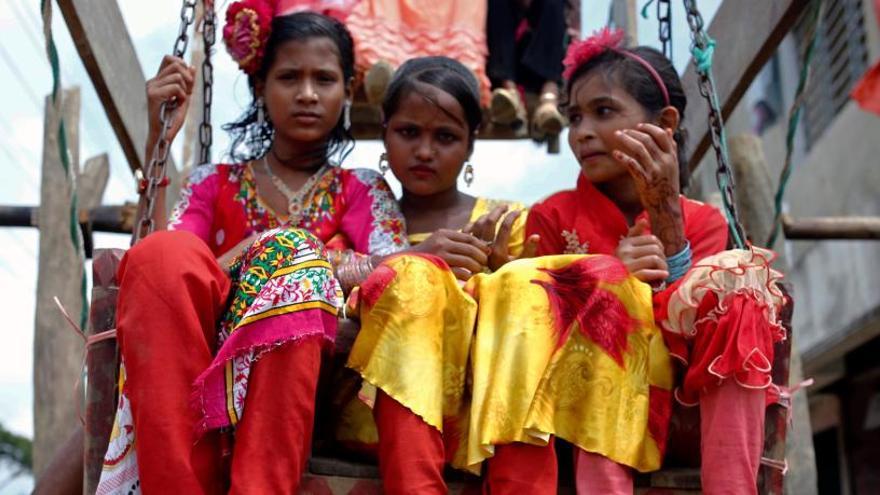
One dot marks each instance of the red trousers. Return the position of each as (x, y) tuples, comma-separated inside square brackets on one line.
[(732, 432), (411, 458), (172, 293)]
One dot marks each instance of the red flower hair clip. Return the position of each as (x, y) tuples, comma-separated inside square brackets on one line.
[(580, 52), (247, 29)]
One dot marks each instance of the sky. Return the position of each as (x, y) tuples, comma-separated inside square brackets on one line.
[(516, 170)]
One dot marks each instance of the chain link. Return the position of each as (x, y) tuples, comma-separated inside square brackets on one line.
[(205, 129), (154, 174), (723, 174), (664, 26)]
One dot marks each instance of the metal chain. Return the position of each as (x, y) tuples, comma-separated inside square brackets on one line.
[(723, 174), (154, 174), (206, 131), (664, 26)]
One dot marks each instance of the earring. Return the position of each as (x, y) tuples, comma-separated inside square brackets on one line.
[(468, 173), (261, 110), (383, 163), (346, 115)]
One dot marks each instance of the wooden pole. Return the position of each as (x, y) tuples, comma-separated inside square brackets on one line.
[(106, 50), (624, 16), (754, 193), (57, 349)]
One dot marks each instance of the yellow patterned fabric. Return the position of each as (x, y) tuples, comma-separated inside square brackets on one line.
[(484, 206), (517, 372)]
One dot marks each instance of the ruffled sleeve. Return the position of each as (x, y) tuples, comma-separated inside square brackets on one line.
[(372, 220), (194, 211)]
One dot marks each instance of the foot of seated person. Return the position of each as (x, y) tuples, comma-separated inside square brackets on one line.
[(547, 120), (507, 108), (376, 81)]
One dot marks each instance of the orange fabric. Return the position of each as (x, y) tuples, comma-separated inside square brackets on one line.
[(274, 438), (172, 293), (411, 453), (521, 468), (398, 30)]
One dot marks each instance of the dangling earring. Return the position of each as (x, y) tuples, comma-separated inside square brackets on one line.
[(346, 115), (383, 163), (468, 173), (261, 110)]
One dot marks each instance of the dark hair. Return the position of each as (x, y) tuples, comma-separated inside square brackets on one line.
[(445, 74), (250, 140), (638, 82)]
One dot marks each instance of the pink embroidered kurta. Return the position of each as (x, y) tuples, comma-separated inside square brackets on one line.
[(220, 204)]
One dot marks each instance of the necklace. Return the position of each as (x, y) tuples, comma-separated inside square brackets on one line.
[(296, 201)]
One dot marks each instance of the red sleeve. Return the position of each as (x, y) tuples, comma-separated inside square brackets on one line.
[(706, 230), (542, 221)]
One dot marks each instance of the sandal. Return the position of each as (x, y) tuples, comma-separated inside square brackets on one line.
[(506, 108), (547, 121)]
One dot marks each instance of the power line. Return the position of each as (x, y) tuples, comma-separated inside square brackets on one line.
[(28, 27), (13, 67)]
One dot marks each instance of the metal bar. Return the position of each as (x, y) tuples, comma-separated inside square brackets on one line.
[(831, 227)]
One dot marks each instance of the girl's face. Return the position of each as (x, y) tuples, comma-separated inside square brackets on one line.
[(427, 141), (305, 90), (599, 108)]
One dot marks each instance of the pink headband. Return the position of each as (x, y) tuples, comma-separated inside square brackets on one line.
[(581, 52)]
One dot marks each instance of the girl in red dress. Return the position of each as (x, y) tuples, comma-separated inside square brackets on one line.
[(718, 308)]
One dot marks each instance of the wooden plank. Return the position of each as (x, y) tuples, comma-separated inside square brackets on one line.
[(747, 33), (106, 50), (103, 365), (57, 350)]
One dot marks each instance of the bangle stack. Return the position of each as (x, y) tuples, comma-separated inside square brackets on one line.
[(679, 263), (354, 270)]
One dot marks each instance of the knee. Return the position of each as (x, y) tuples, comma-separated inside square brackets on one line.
[(172, 250), (288, 243), (411, 275)]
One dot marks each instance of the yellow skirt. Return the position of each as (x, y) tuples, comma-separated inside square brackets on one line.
[(560, 346)]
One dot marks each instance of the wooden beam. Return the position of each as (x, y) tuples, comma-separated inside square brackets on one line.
[(117, 219), (865, 228), (57, 350), (747, 33), (106, 50)]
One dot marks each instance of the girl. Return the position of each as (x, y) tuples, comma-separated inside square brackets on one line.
[(718, 309), (415, 318), (221, 320), (422, 341)]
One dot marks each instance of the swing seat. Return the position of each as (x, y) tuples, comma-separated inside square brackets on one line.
[(338, 476)]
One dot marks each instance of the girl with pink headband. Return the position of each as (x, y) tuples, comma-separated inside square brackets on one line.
[(718, 309)]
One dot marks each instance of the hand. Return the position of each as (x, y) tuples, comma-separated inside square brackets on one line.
[(643, 254), (464, 253), (651, 156), (500, 254), (173, 82)]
